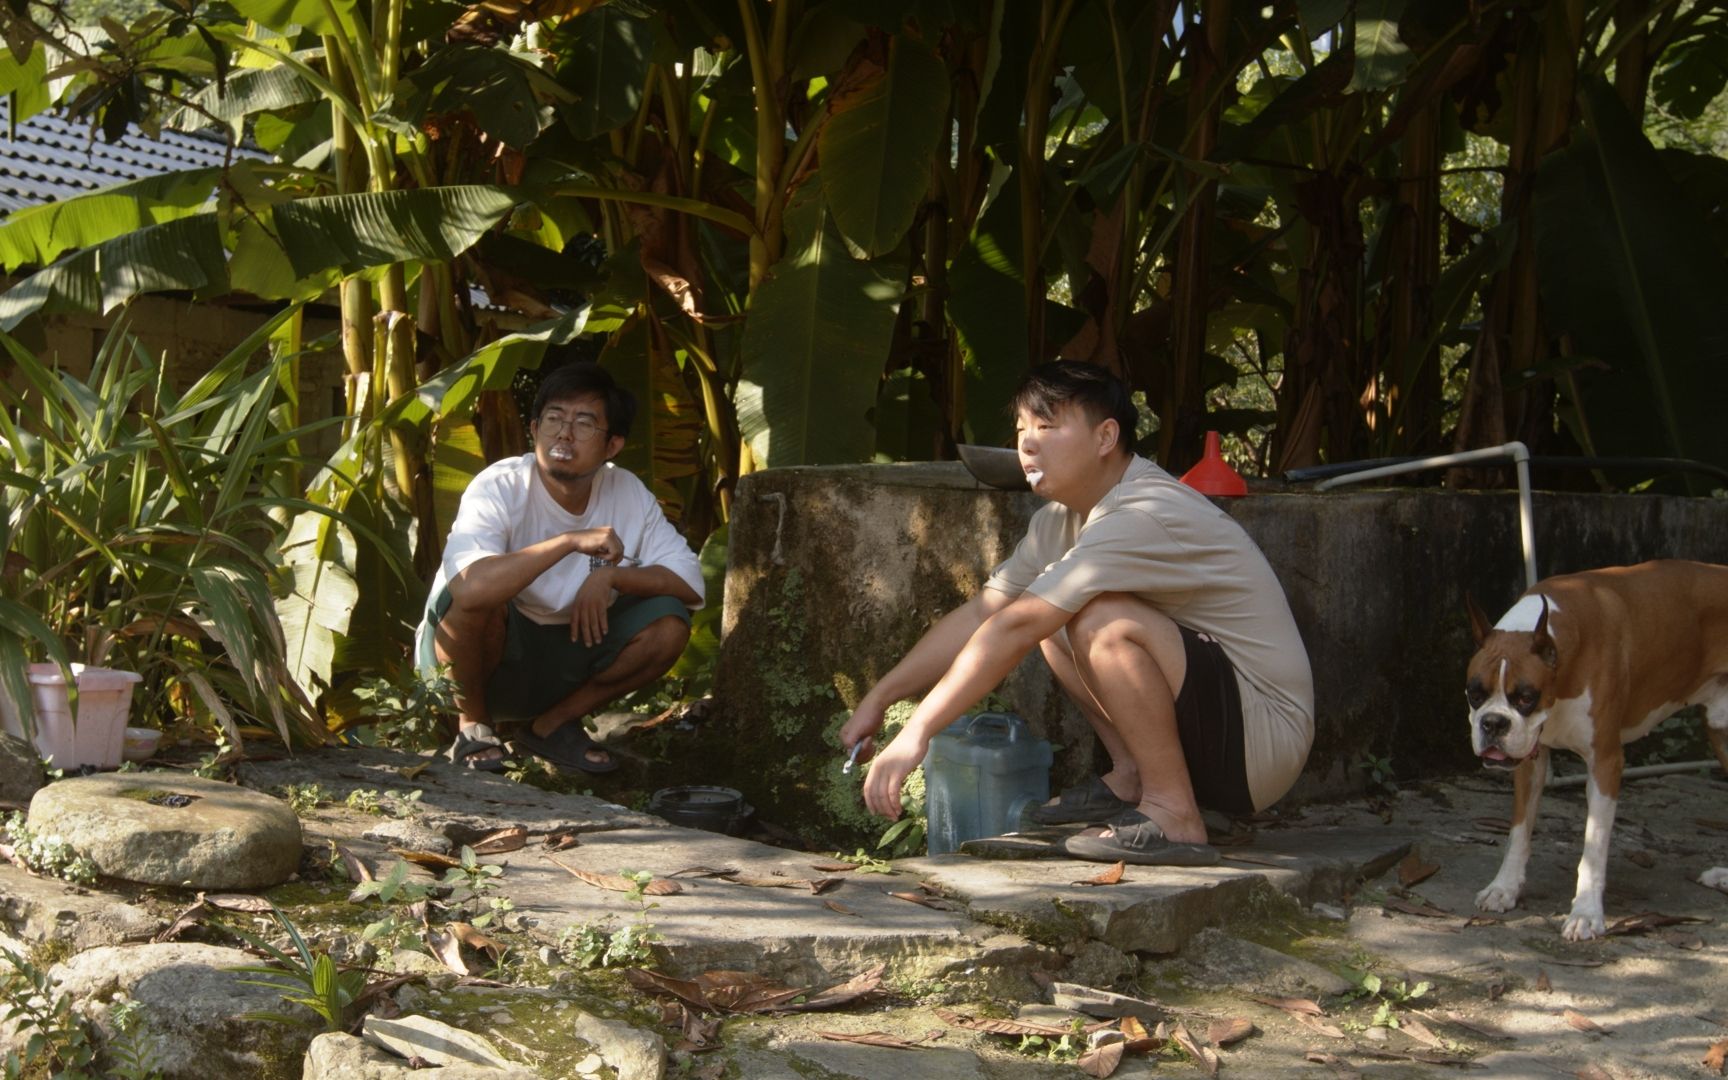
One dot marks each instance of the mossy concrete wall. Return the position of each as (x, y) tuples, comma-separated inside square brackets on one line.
[(834, 573)]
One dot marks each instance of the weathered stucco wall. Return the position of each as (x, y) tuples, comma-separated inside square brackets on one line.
[(835, 572)]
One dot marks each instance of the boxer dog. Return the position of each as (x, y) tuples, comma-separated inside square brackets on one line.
[(1589, 662)]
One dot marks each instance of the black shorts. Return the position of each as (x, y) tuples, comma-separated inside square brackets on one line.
[(1209, 721)]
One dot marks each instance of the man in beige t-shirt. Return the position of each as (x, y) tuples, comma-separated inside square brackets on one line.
[(1159, 617)]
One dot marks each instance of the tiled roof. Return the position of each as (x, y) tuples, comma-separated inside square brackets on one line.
[(53, 158)]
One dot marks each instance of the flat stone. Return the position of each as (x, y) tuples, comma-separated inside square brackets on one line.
[(630, 1051), (192, 1008), (169, 829), (336, 1056), (43, 909), (409, 835), (20, 770), (1218, 959), (1104, 1003), (1156, 909), (431, 1040)]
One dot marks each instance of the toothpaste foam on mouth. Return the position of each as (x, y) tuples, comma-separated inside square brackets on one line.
[(1034, 475)]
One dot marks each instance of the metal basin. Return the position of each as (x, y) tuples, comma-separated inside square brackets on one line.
[(996, 466)]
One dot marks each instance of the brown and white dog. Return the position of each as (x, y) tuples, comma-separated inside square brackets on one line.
[(1589, 662)]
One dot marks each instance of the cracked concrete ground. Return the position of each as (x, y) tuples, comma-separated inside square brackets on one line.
[(1202, 945)]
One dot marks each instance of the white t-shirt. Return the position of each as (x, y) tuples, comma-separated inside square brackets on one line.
[(1156, 538), (507, 508)]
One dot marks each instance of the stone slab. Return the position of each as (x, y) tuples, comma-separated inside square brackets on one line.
[(43, 909), (1157, 909)]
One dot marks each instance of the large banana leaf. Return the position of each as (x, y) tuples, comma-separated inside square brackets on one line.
[(1627, 269), (314, 15), (37, 235), (377, 228), (181, 255), (604, 57), (880, 140), (501, 89), (319, 601), (1381, 55), (244, 94), (662, 448), (815, 345), (493, 366)]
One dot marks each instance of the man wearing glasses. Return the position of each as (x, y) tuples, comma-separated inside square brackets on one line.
[(563, 586)]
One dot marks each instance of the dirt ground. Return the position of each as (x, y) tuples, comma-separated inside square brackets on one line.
[(1505, 996)]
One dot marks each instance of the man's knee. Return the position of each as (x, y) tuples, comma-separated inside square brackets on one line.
[(465, 628), (664, 638), (1107, 620)]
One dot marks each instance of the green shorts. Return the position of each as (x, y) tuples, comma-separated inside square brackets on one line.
[(541, 666)]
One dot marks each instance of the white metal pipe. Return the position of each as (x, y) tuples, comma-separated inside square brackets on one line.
[(1641, 770), (1516, 451)]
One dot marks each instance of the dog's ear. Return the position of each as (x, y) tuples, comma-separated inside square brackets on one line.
[(1541, 642), (1479, 625)]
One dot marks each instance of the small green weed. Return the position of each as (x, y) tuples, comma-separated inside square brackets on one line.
[(304, 798), (307, 977), (865, 862), (56, 1038), (49, 854), (410, 712)]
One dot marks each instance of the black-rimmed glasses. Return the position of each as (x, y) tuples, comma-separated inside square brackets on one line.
[(581, 428)]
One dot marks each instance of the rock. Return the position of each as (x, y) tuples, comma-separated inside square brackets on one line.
[(1331, 912), (20, 770), (631, 1051), (335, 1056), (1102, 1003), (1221, 960), (134, 827), (43, 909), (192, 1008), (432, 1040), (1097, 964), (411, 835)]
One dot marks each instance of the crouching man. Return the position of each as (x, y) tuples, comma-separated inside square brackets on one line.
[(563, 586), (1158, 616)]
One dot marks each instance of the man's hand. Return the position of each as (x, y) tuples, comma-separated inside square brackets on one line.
[(600, 543), (593, 601), (888, 772), (866, 721)]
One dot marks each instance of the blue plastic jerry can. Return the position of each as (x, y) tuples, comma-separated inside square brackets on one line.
[(978, 775)]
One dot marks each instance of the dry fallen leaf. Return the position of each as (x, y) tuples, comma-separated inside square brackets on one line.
[(1419, 1031), (619, 883), (769, 882), (1642, 858), (1680, 939), (837, 906), (856, 988), (1225, 1032), (513, 838), (704, 871), (822, 885), (256, 905), (1290, 1005), (1338, 1065), (1493, 824), (1001, 1027), (192, 916), (1424, 909), (1102, 1060), (448, 949), (469, 935), (920, 898), (1583, 1023), (1139, 1040), (833, 867), (1108, 877), (1542, 983), (426, 858), (1203, 1056), (1413, 871), (1648, 920), (1717, 1056), (357, 869), (876, 1038), (409, 772), (1318, 1025)]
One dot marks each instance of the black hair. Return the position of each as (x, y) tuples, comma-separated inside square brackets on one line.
[(1098, 393), (585, 378)]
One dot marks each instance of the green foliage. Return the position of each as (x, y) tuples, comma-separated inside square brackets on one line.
[(137, 522), (306, 977), (409, 712), (393, 888), (602, 945), (1390, 995), (865, 862), (129, 1057), (49, 854), (54, 1036), (1377, 772), (304, 798)]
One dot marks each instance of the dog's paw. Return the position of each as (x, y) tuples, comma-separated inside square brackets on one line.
[(1584, 923), (1715, 878), (1498, 896)]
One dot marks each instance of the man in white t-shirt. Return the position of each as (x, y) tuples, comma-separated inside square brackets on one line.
[(1158, 616), (563, 586)]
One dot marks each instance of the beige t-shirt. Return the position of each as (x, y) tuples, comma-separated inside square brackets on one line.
[(1158, 539)]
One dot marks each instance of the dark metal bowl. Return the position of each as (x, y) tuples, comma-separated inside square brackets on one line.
[(996, 466)]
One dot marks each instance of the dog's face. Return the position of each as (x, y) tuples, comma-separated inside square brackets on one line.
[(1509, 685)]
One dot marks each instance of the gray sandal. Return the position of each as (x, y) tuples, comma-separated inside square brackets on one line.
[(472, 741), (1091, 803), (1134, 838)]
